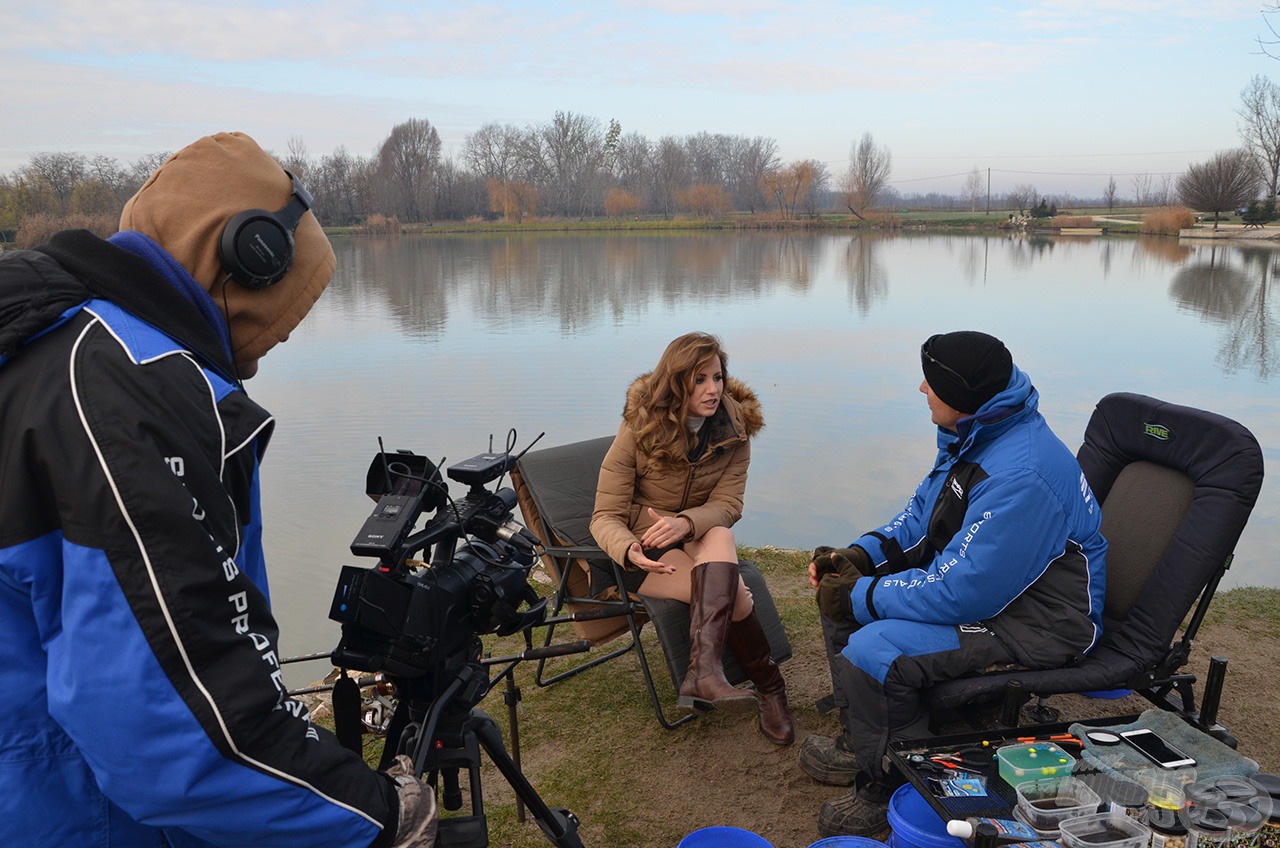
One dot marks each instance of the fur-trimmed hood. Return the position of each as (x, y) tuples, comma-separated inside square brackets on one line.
[(738, 416)]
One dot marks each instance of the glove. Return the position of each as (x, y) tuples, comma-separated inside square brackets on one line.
[(834, 592), (847, 562), (418, 813)]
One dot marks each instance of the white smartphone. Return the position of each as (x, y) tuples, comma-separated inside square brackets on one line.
[(1154, 748)]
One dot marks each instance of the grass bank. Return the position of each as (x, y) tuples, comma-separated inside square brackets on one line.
[(592, 744), (1120, 221)]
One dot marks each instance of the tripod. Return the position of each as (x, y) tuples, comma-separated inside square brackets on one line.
[(446, 737), (459, 742)]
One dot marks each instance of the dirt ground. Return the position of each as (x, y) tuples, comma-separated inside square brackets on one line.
[(650, 787)]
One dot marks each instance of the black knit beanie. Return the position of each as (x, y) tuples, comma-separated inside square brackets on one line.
[(966, 369)]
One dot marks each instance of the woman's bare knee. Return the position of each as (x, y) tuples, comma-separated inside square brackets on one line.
[(717, 545)]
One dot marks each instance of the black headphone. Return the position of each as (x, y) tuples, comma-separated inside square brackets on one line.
[(256, 247)]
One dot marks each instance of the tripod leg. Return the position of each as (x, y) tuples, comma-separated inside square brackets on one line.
[(559, 825)]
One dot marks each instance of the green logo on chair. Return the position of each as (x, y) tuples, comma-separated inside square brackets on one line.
[(1157, 431)]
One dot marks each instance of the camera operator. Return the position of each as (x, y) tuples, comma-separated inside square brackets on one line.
[(144, 703)]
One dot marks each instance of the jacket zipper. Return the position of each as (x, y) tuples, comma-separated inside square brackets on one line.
[(688, 485)]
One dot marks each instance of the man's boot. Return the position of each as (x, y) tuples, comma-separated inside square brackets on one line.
[(751, 647), (712, 592)]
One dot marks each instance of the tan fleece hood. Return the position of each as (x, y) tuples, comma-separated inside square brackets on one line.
[(186, 203)]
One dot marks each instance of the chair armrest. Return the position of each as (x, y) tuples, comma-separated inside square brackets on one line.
[(577, 551)]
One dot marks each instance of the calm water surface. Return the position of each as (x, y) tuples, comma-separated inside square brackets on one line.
[(434, 343)]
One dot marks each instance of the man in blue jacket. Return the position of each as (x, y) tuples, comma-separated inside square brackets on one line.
[(144, 702), (997, 560)]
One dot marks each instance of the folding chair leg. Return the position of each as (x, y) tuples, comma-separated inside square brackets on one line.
[(648, 678)]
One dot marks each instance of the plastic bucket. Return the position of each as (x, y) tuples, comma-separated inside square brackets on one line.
[(915, 824), (847, 842), (724, 837), (1108, 694)]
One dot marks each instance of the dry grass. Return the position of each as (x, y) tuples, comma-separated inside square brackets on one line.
[(1069, 221), (378, 224), (37, 229), (1167, 220)]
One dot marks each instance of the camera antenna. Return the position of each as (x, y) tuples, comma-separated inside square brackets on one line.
[(386, 466)]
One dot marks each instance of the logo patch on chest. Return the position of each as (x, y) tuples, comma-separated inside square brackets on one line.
[(956, 487)]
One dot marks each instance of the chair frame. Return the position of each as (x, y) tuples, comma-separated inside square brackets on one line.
[(625, 606)]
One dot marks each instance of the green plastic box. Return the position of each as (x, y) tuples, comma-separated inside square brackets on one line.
[(1033, 761)]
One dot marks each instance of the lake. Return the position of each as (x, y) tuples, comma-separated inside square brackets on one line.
[(435, 343)]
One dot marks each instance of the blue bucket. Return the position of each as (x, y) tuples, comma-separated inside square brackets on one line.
[(847, 842), (724, 837), (1108, 694), (915, 824)]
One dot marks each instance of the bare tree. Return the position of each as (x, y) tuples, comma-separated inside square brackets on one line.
[(869, 168), (973, 188), (60, 173), (335, 184), (1022, 197), (1260, 128), (493, 151), (407, 162), (752, 159), (669, 166), (297, 161), (632, 168), (1226, 181), (572, 148), (1141, 189), (1109, 194)]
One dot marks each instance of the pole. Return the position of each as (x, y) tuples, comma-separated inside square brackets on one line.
[(988, 190)]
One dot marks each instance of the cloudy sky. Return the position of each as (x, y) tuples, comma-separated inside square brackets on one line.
[(1058, 93)]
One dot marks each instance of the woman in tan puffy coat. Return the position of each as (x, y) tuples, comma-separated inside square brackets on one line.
[(670, 488)]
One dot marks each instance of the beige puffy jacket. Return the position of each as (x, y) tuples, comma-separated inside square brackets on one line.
[(708, 492)]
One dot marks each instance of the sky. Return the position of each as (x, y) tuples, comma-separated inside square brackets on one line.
[(1060, 94)]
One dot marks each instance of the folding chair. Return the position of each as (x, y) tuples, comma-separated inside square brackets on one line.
[(1176, 486), (556, 488)]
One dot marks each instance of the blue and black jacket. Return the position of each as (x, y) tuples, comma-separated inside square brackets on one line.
[(1004, 531), (143, 698)]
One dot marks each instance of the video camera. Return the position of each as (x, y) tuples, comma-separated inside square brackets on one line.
[(414, 620)]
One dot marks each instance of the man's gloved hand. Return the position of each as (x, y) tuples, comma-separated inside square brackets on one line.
[(847, 562), (833, 596), (418, 813)]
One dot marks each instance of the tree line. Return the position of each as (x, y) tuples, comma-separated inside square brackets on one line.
[(576, 166)]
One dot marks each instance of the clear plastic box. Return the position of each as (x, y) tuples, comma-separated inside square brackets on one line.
[(1105, 830), (1033, 761), (1047, 802)]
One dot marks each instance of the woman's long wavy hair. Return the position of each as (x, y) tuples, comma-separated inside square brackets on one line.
[(656, 413)]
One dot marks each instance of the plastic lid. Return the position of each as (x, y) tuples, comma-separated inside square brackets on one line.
[(1268, 783), (1243, 817), (1165, 821), (1204, 794), (1126, 793), (959, 828), (1235, 788), (1208, 820)]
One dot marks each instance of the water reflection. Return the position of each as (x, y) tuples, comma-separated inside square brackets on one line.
[(868, 281), (435, 342), (1231, 289)]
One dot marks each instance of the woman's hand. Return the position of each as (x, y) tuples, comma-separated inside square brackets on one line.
[(635, 554), (666, 530)]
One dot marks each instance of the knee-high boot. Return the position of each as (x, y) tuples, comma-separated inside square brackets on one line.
[(713, 590), (751, 647)]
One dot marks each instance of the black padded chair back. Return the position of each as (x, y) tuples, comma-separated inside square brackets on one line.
[(1148, 463)]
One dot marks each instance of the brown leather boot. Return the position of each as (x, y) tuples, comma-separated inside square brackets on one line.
[(751, 647), (713, 589)]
